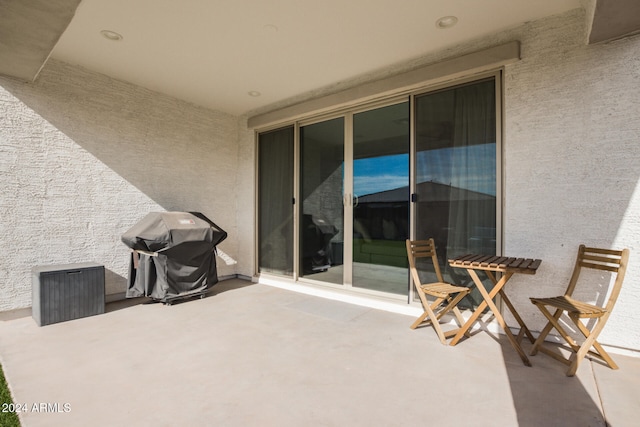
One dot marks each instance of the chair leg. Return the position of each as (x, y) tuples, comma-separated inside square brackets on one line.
[(545, 331), (452, 305), (425, 303), (583, 350), (578, 351), (436, 325), (553, 323), (457, 313), (419, 320), (435, 305), (434, 317), (589, 342)]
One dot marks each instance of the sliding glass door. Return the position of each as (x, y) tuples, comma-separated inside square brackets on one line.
[(354, 182), (362, 182), (321, 220), (381, 198), (275, 201)]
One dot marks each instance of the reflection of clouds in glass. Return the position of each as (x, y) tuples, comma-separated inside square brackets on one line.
[(376, 174), (469, 167), (363, 185)]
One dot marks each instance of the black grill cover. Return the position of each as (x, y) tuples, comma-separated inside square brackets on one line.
[(174, 255)]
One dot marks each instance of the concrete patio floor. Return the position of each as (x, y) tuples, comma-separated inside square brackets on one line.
[(256, 355)]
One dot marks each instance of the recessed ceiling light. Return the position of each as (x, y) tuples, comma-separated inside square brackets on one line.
[(254, 93), (111, 35), (446, 22)]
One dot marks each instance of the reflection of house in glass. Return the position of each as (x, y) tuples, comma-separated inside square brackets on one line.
[(459, 220)]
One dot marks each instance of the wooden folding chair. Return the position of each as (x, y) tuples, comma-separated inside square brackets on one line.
[(591, 258), (442, 291)]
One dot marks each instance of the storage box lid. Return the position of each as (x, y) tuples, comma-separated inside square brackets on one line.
[(64, 267)]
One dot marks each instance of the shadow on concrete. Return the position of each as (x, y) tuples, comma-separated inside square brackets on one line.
[(222, 286), (577, 397), (281, 349), (544, 388)]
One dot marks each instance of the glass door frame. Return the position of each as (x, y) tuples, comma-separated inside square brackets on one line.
[(299, 205), (398, 100), (347, 197), (348, 113)]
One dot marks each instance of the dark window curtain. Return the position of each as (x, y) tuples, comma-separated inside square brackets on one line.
[(472, 212), (456, 172), (275, 192)]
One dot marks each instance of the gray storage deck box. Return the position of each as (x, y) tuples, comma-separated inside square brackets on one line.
[(66, 292)]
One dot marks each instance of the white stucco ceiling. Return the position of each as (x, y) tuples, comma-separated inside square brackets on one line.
[(214, 52)]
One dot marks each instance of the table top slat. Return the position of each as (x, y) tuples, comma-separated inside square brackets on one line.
[(516, 263), (535, 264), (463, 260), (506, 262), (472, 259), (460, 259), (526, 263), (496, 263), (481, 260), (488, 261)]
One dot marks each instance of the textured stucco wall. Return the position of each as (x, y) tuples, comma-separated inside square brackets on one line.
[(83, 157), (572, 144), (245, 199)]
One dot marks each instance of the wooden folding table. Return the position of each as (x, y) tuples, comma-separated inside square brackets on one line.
[(507, 267)]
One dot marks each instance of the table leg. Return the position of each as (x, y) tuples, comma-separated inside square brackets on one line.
[(524, 330), (478, 311), (465, 328), (474, 316), (488, 297), (523, 327)]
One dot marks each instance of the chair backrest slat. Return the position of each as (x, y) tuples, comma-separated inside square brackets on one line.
[(422, 253), (422, 249), (601, 259), (611, 260), (602, 251), (599, 266)]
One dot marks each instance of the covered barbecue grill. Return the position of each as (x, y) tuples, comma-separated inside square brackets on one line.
[(173, 255)]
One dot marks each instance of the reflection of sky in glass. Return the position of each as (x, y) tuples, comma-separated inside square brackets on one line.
[(470, 167), (376, 174)]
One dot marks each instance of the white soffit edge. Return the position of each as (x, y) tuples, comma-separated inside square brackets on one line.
[(450, 69)]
